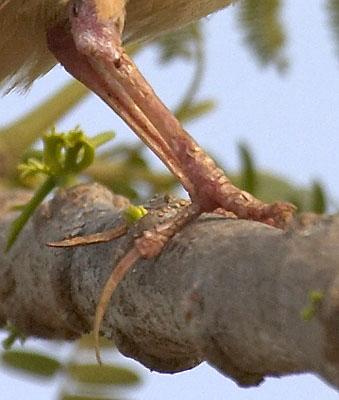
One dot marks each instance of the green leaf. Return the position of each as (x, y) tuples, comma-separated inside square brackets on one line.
[(32, 167), (66, 396), (87, 342), (333, 12), (135, 158), (64, 156), (260, 19), (124, 188), (18, 137), (248, 175), (31, 363), (35, 154), (318, 198), (271, 187), (308, 312), (13, 335), (178, 44), (107, 374), (134, 213), (191, 111), (100, 139)]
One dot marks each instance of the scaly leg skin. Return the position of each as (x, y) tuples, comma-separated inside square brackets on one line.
[(90, 49), (92, 52)]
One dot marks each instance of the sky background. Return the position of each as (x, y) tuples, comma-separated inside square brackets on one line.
[(291, 124)]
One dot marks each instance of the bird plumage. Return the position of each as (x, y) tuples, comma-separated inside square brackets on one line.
[(24, 55)]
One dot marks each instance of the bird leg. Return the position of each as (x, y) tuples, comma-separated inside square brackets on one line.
[(90, 49), (149, 242)]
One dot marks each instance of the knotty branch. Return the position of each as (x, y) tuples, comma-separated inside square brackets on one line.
[(231, 292)]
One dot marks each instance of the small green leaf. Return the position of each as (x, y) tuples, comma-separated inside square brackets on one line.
[(135, 159), (101, 139), (318, 198), (107, 374), (34, 154), (134, 213), (333, 14), (13, 335), (66, 396), (260, 19), (248, 175), (31, 363), (178, 44), (316, 296), (32, 167), (194, 110), (87, 342), (309, 311), (29, 128), (124, 188)]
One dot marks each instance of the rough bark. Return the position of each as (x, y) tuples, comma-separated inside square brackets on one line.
[(227, 291)]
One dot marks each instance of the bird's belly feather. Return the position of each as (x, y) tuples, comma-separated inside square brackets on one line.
[(147, 18), (24, 55)]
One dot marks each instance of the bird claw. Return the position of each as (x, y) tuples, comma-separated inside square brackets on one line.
[(92, 52), (94, 238), (149, 242)]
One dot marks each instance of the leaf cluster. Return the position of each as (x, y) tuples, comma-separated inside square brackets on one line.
[(64, 156), (84, 381)]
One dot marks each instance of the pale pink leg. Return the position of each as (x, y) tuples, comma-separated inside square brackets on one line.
[(91, 50), (89, 47)]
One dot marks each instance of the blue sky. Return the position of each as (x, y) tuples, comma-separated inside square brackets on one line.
[(290, 122)]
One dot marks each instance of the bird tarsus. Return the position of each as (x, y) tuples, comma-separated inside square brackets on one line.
[(92, 52)]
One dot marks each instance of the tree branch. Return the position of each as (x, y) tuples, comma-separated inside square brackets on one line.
[(227, 291)]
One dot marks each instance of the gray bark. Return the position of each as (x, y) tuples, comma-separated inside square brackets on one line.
[(227, 291)]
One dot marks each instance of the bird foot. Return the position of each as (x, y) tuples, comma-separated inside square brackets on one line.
[(89, 47), (148, 243)]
